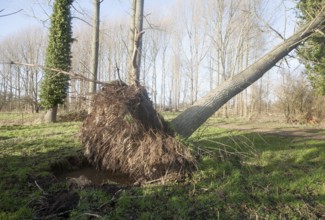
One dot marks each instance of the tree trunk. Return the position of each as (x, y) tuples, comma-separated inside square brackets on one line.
[(135, 42), (131, 42), (50, 115), (95, 46), (193, 117), (139, 28)]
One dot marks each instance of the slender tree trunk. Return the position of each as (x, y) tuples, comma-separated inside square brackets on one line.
[(268, 94), (51, 114), (139, 28), (19, 88), (135, 41), (245, 103), (210, 73), (163, 81), (11, 90), (95, 47), (193, 117), (260, 97), (131, 41)]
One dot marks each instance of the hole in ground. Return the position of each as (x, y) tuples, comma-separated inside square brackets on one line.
[(92, 176), (78, 172)]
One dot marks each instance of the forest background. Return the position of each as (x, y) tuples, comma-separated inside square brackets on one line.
[(189, 48)]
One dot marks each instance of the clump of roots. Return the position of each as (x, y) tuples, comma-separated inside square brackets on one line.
[(125, 134)]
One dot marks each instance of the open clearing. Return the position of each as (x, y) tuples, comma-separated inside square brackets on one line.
[(298, 131), (242, 174)]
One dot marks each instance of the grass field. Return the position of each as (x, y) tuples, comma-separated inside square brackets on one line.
[(17, 118), (241, 175)]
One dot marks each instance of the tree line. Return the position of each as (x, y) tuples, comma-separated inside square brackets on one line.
[(181, 57), (184, 56)]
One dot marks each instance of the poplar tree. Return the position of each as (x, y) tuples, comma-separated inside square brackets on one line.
[(54, 86), (135, 42), (95, 51)]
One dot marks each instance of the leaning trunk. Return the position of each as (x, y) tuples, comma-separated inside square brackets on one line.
[(50, 115), (193, 117)]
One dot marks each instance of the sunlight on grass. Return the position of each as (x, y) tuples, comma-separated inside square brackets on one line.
[(241, 175), (28, 151)]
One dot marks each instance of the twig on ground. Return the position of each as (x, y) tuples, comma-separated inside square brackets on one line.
[(38, 186), (111, 200), (89, 214)]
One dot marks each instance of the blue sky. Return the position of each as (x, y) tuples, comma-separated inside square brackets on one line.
[(35, 10)]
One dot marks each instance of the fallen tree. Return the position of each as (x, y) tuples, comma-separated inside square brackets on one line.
[(125, 134), (193, 117)]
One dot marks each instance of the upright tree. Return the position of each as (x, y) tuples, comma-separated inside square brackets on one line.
[(135, 41), (312, 52), (95, 47), (55, 85)]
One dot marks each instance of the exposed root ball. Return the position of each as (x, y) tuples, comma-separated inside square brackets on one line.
[(125, 134)]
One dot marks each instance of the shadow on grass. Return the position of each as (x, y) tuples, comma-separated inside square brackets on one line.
[(282, 179), (5, 138), (287, 174), (25, 157), (29, 187), (283, 182)]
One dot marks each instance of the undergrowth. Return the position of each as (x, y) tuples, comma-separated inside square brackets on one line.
[(241, 175)]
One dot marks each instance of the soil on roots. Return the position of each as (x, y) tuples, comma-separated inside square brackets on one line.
[(125, 134)]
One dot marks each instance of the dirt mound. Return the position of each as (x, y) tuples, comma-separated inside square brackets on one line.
[(125, 134)]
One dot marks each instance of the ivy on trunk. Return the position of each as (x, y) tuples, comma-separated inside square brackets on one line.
[(55, 85)]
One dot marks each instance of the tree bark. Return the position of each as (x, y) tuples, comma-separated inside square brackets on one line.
[(95, 47), (51, 114), (131, 42), (138, 34), (193, 117), (135, 41)]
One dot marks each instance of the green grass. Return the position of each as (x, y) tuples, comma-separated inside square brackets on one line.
[(17, 117), (26, 154), (241, 175)]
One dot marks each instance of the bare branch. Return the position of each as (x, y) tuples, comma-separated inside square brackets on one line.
[(320, 32), (82, 12), (10, 13), (43, 21), (267, 24), (151, 26), (73, 75), (83, 21)]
